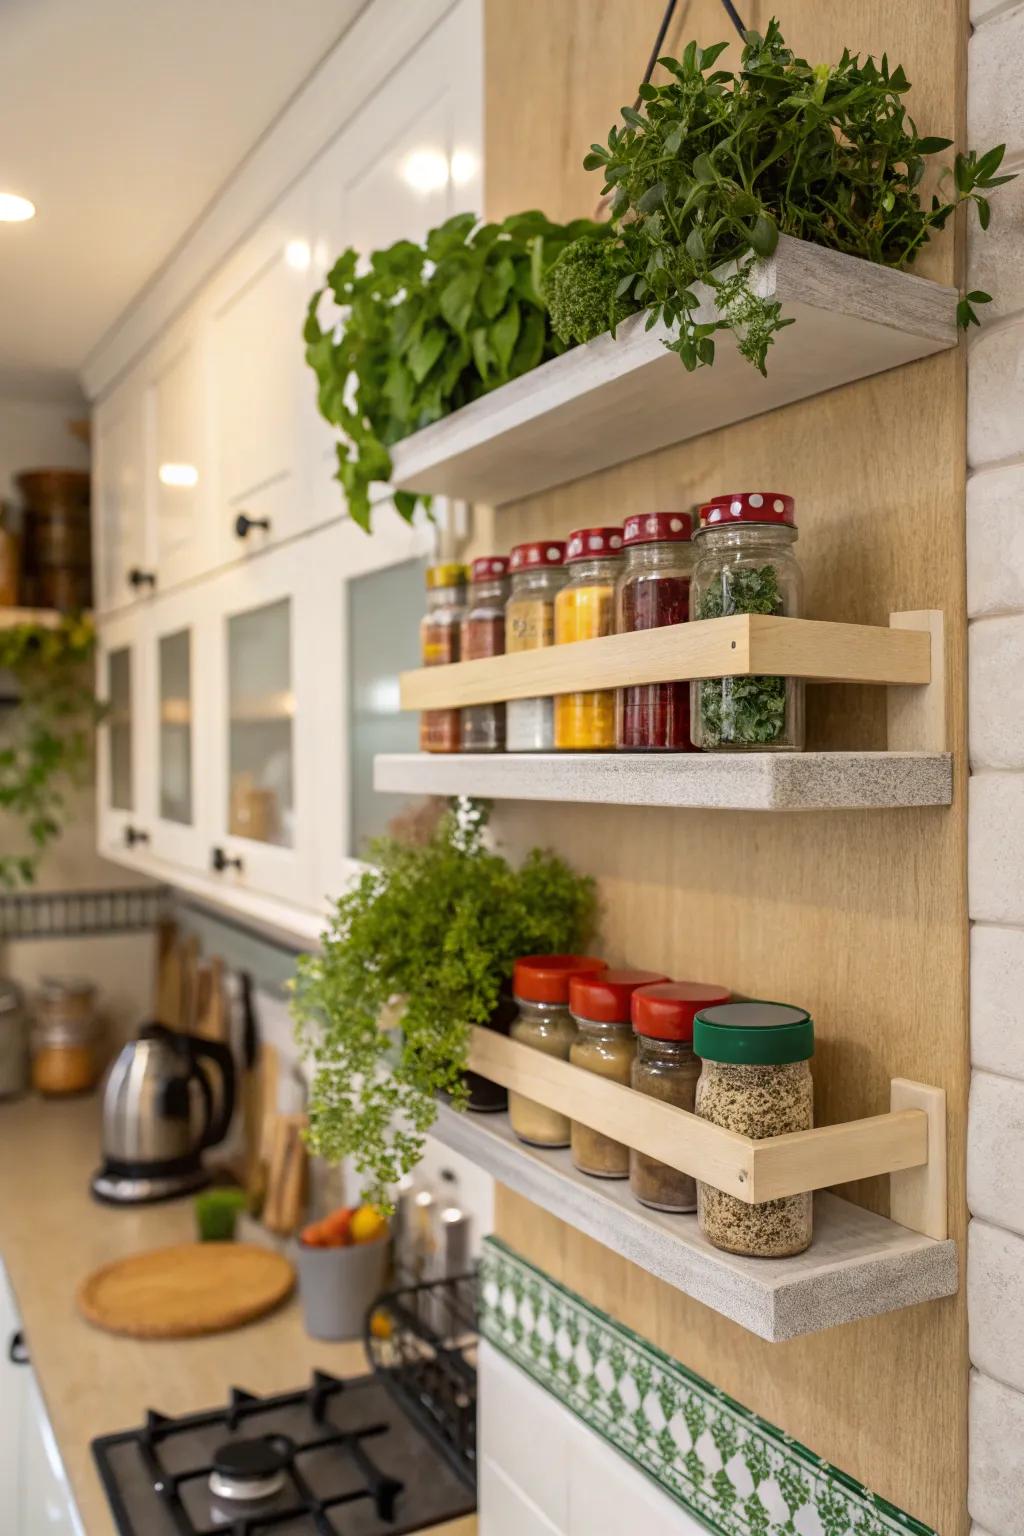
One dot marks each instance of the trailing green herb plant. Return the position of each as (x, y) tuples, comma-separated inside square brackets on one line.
[(426, 328), (46, 734), (718, 163), (428, 935), (748, 711)]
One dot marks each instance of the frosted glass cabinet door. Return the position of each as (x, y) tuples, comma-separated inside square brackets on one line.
[(121, 810), (177, 725)]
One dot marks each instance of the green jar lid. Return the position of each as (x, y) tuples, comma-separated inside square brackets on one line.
[(754, 1034)]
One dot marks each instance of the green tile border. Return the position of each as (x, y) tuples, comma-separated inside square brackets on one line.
[(733, 1471)]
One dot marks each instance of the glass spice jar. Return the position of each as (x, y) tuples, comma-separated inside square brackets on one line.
[(745, 564), (541, 987), (654, 590), (756, 1080), (483, 635), (585, 610), (439, 645), (604, 1044), (538, 575), (66, 1056), (665, 1067)]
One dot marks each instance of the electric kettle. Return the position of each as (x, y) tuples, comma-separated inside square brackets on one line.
[(160, 1110)]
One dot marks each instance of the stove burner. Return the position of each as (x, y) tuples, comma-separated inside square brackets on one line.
[(249, 1471)]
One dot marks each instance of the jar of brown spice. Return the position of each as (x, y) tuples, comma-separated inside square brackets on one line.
[(541, 987), (604, 1044)]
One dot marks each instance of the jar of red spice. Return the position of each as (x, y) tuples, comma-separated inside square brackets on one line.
[(654, 590), (439, 645), (604, 1044), (483, 635)]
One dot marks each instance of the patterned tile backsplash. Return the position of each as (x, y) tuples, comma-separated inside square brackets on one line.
[(738, 1474)]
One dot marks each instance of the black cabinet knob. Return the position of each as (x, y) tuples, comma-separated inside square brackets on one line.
[(137, 578), (243, 523), (133, 835), (220, 861), (17, 1349)]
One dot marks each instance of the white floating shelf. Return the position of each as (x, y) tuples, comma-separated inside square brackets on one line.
[(754, 781), (616, 399), (859, 1264)]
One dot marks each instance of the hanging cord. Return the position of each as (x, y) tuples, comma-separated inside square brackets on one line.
[(733, 15), (666, 22)]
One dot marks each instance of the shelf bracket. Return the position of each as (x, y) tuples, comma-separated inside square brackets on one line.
[(917, 1196), (916, 717)]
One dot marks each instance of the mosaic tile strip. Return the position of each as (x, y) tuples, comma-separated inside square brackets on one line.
[(738, 1474)]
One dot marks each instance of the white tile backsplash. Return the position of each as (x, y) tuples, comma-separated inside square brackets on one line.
[(504, 1510)]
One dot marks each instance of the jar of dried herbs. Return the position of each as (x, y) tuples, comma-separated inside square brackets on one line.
[(538, 575), (665, 1067), (540, 984), (604, 1044), (483, 635), (654, 590), (585, 610), (745, 564), (439, 645), (756, 1080)]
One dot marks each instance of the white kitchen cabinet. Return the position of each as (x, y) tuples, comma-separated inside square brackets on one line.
[(179, 541), (121, 749), (119, 491)]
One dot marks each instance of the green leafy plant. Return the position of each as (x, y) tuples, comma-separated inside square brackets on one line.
[(426, 328), (750, 710), (46, 735), (426, 936), (718, 163)]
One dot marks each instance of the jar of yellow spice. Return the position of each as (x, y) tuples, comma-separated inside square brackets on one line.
[(604, 1044), (585, 610)]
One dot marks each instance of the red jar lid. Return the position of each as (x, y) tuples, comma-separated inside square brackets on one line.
[(545, 978), (543, 552), (591, 543), (667, 1012), (655, 527), (748, 507), (488, 568), (606, 998)]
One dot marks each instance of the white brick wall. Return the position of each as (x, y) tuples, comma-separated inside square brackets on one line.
[(995, 605)]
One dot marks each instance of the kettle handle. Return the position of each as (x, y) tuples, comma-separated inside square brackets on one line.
[(216, 1126)]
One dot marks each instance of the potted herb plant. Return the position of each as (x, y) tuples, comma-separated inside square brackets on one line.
[(420, 948)]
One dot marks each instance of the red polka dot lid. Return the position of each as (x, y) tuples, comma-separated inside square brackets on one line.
[(748, 507), (594, 543), (489, 568), (526, 557), (655, 527)]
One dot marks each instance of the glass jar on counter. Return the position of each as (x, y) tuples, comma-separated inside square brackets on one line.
[(483, 635), (665, 1067), (66, 1038), (654, 590), (14, 1041), (745, 564), (541, 987), (604, 1044), (755, 1079), (585, 610), (439, 645), (538, 575)]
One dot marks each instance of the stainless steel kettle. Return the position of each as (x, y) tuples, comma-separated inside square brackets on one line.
[(160, 1110)]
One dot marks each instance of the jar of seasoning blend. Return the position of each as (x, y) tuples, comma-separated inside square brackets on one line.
[(483, 635), (654, 590), (755, 1080), (585, 610), (439, 645), (541, 987), (745, 564), (604, 1044), (66, 1038), (538, 575), (665, 1067)]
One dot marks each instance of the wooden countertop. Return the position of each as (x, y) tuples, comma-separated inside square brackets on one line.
[(52, 1234)]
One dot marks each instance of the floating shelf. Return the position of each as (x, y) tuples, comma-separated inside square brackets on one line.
[(618, 398), (43, 618), (739, 781)]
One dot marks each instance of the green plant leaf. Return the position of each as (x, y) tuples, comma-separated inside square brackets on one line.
[(504, 333), (426, 352)]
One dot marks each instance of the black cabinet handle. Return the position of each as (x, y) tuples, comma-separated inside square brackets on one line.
[(220, 861), (137, 578), (243, 523), (17, 1349), (133, 835)]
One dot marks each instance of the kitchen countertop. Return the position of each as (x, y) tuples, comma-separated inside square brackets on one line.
[(53, 1234)]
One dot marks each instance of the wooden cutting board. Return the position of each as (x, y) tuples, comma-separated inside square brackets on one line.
[(190, 1289)]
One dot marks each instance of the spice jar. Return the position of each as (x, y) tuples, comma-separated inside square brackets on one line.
[(654, 590), (745, 564), (604, 1044), (755, 1080), (538, 575), (585, 610), (66, 1044), (483, 635), (439, 645), (14, 1031), (665, 1067), (541, 987)]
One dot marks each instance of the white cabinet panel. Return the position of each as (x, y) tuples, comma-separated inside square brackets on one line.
[(119, 495), (177, 463)]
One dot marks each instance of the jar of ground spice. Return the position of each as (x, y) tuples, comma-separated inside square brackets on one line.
[(585, 610), (654, 590), (538, 575), (604, 1044), (483, 635), (665, 1067), (756, 1080), (439, 645), (541, 987)]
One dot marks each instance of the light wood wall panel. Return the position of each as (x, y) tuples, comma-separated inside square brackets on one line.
[(859, 916)]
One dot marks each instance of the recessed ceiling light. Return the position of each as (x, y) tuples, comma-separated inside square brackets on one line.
[(15, 209)]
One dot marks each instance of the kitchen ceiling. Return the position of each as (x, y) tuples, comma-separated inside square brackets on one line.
[(121, 119)]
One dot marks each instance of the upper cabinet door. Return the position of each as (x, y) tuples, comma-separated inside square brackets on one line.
[(123, 755), (177, 463), (119, 498), (178, 725)]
